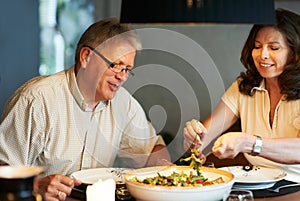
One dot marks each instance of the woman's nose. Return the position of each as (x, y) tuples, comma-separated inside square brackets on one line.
[(264, 53)]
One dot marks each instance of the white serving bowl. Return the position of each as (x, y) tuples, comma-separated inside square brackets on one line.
[(146, 192)]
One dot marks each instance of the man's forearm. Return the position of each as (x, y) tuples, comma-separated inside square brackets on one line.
[(159, 156)]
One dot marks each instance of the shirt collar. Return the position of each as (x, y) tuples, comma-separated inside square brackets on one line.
[(261, 87), (78, 96)]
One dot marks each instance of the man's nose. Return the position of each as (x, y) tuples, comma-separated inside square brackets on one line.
[(122, 75)]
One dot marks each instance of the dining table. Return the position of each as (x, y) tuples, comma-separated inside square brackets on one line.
[(288, 194), (288, 197), (289, 191)]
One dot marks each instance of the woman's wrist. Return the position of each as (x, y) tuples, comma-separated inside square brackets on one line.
[(249, 141), (257, 146)]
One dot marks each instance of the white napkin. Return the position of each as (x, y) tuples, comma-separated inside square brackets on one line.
[(101, 190)]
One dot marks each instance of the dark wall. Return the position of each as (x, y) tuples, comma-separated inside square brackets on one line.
[(19, 39)]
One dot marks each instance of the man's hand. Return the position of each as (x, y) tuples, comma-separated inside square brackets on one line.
[(55, 187)]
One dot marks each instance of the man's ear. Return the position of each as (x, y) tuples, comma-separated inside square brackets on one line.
[(84, 56)]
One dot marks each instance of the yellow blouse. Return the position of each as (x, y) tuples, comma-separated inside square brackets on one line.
[(253, 112)]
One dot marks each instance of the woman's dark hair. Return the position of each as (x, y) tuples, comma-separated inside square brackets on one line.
[(288, 23)]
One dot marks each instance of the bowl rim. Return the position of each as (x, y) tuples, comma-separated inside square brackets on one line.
[(20, 172), (132, 173)]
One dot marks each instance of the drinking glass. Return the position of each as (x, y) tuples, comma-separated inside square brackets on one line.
[(238, 195), (122, 192)]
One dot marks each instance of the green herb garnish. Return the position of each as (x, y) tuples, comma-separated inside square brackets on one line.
[(196, 162)]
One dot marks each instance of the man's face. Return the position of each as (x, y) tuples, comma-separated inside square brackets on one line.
[(107, 80)]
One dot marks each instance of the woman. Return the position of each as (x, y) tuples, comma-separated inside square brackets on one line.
[(266, 99)]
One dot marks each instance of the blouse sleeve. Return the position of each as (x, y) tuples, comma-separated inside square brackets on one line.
[(231, 97)]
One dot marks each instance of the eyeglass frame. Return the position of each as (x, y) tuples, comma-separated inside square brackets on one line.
[(111, 64)]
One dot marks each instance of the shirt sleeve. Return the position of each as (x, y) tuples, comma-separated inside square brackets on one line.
[(20, 137), (231, 97), (139, 137)]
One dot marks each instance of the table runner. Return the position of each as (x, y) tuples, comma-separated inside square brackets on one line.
[(264, 193)]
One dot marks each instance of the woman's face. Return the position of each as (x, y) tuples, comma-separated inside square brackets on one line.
[(270, 52)]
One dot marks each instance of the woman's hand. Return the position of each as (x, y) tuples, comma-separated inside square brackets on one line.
[(194, 132), (55, 187), (229, 145)]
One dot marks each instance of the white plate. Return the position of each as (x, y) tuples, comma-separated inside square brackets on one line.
[(91, 176), (257, 178), (254, 186)]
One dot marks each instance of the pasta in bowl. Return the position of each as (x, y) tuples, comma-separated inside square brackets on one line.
[(180, 183)]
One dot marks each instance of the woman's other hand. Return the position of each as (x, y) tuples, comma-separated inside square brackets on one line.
[(229, 145)]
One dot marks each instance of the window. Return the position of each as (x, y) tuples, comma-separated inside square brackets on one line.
[(61, 24)]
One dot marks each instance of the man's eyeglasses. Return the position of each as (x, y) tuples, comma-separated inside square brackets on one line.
[(117, 68)]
